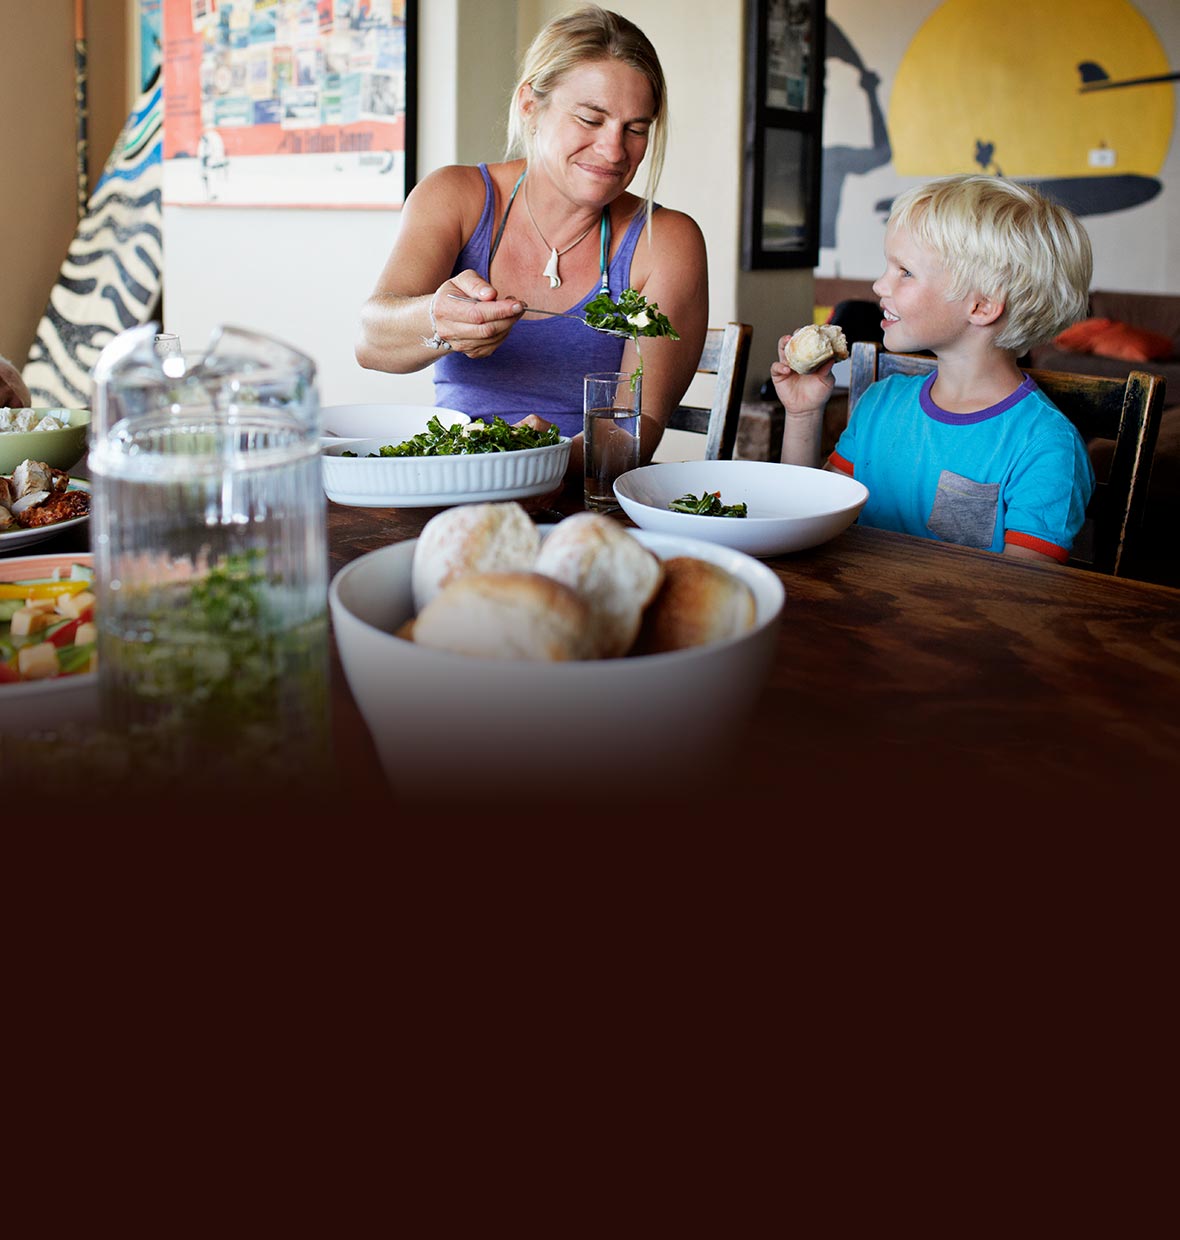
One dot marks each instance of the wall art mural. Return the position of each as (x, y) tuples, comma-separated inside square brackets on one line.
[(1077, 97), (289, 102)]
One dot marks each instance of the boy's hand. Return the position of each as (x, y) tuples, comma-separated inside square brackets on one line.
[(801, 393)]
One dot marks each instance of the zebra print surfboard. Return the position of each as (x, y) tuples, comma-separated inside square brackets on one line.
[(111, 277)]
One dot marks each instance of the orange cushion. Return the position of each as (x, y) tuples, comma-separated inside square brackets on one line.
[(1132, 344), (1081, 336)]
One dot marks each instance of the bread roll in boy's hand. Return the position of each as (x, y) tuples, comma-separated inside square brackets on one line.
[(813, 345)]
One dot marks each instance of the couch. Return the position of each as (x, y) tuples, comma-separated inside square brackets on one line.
[(1156, 313)]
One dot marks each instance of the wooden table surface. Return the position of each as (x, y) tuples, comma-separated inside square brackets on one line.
[(912, 678), (939, 680)]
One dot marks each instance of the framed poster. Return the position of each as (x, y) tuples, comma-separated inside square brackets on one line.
[(784, 133), (289, 103)]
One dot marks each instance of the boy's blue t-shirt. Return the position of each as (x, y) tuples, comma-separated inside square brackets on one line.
[(1016, 472)]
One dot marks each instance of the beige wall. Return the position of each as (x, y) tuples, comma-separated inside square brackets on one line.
[(38, 206)]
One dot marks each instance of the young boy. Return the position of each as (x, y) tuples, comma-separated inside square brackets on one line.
[(977, 270)]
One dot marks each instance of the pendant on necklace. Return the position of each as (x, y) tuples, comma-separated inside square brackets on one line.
[(551, 269)]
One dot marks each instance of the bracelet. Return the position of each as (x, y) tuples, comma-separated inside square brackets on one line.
[(435, 341)]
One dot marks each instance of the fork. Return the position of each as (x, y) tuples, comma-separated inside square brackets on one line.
[(557, 314)]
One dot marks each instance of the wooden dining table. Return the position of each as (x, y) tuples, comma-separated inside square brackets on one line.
[(912, 681), (914, 677)]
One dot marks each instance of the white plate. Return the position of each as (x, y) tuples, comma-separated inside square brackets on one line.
[(436, 481), (395, 423), (12, 540), (40, 705), (789, 507)]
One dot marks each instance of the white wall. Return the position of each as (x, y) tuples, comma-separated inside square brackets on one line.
[(302, 275)]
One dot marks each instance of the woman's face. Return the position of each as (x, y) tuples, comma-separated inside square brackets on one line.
[(592, 134)]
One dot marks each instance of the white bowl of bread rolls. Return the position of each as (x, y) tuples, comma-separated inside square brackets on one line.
[(788, 507), (492, 656)]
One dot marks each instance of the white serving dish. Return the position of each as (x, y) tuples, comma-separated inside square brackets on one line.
[(391, 423), (33, 706), (789, 507), (450, 726), (436, 481)]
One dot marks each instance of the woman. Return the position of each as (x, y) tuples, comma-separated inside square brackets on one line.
[(549, 228)]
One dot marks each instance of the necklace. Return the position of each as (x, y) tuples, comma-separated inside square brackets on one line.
[(554, 253)]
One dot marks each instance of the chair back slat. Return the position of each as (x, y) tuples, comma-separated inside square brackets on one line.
[(726, 354), (1124, 411)]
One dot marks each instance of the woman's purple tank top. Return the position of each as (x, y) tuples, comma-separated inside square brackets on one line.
[(540, 366)]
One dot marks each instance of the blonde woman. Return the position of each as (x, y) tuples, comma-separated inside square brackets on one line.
[(549, 227)]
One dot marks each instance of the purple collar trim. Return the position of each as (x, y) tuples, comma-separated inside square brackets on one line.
[(931, 410)]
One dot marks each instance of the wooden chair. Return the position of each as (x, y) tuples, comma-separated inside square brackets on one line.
[(1126, 411), (726, 354)]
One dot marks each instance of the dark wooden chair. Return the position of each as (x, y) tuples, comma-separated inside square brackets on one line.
[(726, 355), (1125, 411)]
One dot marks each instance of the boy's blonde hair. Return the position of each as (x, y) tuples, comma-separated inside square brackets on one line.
[(1008, 242), (585, 35)]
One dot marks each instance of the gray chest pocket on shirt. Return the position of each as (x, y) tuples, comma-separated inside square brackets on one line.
[(964, 511)]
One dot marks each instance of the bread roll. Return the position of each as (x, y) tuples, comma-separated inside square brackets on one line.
[(811, 346), (507, 616), (612, 571), (471, 538), (699, 602)]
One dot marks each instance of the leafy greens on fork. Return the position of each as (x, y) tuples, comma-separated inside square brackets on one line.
[(632, 315)]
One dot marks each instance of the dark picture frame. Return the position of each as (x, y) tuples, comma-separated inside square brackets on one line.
[(784, 133)]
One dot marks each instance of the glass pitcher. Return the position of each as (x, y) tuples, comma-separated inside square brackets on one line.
[(210, 559)]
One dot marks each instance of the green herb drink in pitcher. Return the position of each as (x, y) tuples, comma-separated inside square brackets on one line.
[(210, 560)]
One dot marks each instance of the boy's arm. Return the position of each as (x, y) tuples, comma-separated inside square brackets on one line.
[(804, 398)]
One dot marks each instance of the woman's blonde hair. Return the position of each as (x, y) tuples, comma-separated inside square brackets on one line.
[(585, 35), (1008, 242)]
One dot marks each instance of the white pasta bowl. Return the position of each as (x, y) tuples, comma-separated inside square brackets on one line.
[(435, 481), (389, 423), (60, 449), (450, 726), (789, 507)]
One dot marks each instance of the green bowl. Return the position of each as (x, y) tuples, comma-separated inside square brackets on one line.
[(61, 449)]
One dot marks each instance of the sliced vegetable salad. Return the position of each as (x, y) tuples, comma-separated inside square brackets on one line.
[(47, 626)]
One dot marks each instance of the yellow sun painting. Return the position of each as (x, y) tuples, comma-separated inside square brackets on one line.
[(978, 92)]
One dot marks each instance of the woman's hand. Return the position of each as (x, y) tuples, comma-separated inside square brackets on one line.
[(801, 393), (472, 317)]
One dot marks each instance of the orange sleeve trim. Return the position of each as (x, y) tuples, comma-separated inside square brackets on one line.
[(1060, 554), (844, 466)]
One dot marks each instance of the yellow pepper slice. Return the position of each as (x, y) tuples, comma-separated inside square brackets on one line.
[(42, 589)]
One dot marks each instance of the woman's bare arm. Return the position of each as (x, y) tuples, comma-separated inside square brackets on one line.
[(440, 212)]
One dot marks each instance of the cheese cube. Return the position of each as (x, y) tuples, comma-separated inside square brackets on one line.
[(30, 620), (37, 662), (86, 633), (73, 605)]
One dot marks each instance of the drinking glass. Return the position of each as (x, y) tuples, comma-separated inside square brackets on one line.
[(210, 559), (612, 401)]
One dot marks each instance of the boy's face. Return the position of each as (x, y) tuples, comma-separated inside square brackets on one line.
[(916, 313)]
